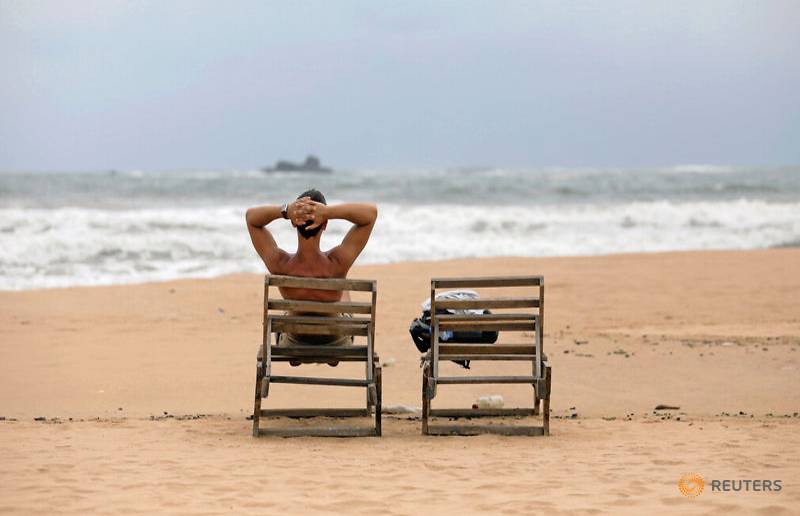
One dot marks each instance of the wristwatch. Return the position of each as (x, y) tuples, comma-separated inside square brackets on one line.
[(285, 210)]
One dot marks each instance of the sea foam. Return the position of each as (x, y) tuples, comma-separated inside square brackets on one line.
[(55, 247)]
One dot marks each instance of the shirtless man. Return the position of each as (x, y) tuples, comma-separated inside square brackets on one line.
[(310, 215)]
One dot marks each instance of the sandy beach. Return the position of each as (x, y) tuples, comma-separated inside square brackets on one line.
[(145, 390)]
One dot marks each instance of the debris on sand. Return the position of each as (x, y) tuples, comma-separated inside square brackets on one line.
[(401, 409), (493, 401)]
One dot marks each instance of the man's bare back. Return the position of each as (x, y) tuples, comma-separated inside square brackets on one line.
[(319, 266)]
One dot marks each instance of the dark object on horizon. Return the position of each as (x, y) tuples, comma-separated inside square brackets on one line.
[(311, 164)]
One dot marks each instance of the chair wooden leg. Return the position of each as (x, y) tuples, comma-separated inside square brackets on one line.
[(546, 405), (369, 396), (257, 405), (425, 401), (378, 398)]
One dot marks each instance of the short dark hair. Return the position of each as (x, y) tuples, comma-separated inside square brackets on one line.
[(316, 196)]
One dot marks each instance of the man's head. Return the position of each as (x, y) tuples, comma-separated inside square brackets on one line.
[(314, 195)]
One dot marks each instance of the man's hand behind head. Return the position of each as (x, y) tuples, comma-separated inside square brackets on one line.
[(319, 214), (300, 211)]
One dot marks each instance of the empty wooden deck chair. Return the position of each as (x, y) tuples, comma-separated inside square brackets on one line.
[(523, 314), (318, 318)]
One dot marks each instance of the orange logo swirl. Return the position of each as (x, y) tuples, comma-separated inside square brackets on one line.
[(691, 485)]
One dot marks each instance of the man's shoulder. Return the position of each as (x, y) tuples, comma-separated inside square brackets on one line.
[(339, 267), (281, 265)]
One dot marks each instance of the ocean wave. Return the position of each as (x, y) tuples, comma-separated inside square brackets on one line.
[(86, 246), (701, 169), (789, 243), (485, 186)]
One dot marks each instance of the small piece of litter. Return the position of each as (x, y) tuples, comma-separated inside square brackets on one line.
[(401, 409), (494, 401)]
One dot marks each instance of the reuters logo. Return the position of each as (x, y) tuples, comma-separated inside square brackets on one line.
[(691, 485)]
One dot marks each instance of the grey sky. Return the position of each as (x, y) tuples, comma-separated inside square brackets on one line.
[(184, 84)]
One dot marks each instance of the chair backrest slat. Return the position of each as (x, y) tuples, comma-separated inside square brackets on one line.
[(505, 349), (341, 307), (493, 281), (321, 319), (487, 317), (487, 325), (321, 283), (334, 328), (317, 351), (489, 302)]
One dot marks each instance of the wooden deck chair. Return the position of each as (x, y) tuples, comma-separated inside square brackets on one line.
[(528, 317), (319, 318)]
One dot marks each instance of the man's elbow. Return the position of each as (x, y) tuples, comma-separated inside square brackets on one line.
[(373, 212), (248, 216)]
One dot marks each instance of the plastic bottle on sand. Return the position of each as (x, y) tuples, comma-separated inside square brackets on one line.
[(490, 402)]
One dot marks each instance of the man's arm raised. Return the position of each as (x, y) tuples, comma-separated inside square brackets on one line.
[(362, 216), (259, 217)]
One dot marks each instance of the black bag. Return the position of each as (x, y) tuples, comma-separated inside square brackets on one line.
[(420, 331)]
